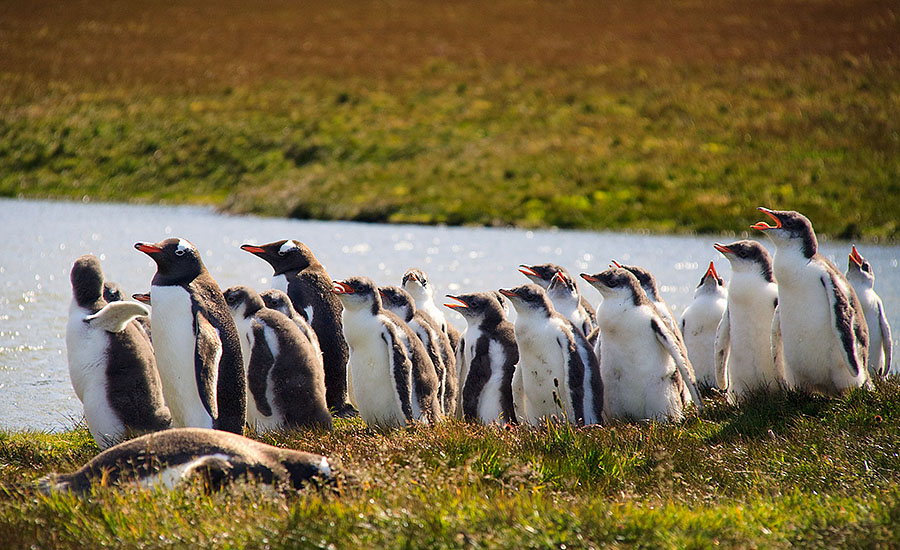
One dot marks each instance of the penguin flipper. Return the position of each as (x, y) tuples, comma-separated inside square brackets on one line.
[(777, 344), (518, 395), (852, 334), (258, 368), (115, 316), (682, 363), (723, 346), (476, 380), (207, 355), (886, 342), (401, 370), (574, 378)]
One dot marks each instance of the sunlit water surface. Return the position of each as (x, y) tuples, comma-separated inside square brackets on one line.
[(40, 240)]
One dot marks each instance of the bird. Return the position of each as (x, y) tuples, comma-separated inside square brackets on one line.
[(198, 351), (699, 323), (642, 362), (416, 282), (582, 314), (279, 301), (861, 277), (304, 279), (746, 362), (392, 378), (819, 320)]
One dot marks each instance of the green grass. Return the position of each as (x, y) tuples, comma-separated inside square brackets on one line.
[(778, 472)]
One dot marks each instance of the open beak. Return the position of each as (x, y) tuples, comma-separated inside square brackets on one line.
[(763, 226), (460, 305), (711, 271), (855, 256), (526, 270), (341, 287), (508, 293), (148, 248), (722, 248)]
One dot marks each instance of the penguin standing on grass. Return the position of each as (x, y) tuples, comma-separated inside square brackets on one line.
[(862, 279), (565, 296), (819, 319), (416, 282), (198, 350), (699, 323), (279, 301)]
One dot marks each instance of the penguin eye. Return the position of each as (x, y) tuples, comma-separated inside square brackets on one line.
[(179, 252)]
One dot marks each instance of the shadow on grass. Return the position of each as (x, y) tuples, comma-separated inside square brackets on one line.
[(763, 412)]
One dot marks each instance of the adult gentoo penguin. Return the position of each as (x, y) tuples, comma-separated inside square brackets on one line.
[(747, 359), (111, 361), (165, 459), (819, 318), (416, 282), (642, 362), (862, 279), (391, 377), (299, 274), (285, 377), (489, 357), (436, 343), (560, 374), (198, 351), (581, 313), (699, 323)]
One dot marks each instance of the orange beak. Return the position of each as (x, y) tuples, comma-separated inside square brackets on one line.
[(148, 248), (460, 305), (341, 287), (711, 271), (722, 248), (143, 298), (252, 249), (508, 293), (589, 278), (616, 264), (763, 226), (855, 256), (525, 270)]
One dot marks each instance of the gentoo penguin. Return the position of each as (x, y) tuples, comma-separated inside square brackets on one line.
[(416, 282), (111, 361), (392, 379), (745, 359), (279, 301), (436, 343), (559, 368), (699, 323), (285, 377), (582, 314), (112, 292), (168, 458), (651, 289), (299, 274), (489, 358), (642, 362), (862, 279), (198, 351), (819, 320)]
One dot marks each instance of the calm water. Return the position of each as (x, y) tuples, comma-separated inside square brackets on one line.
[(40, 240)]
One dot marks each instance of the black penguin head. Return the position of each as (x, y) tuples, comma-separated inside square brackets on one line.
[(87, 281), (488, 306), (791, 229), (617, 282), (540, 274), (416, 282), (278, 300), (562, 287), (358, 293), (112, 292), (748, 257), (644, 277), (243, 301), (399, 301), (858, 269), (284, 255), (177, 260), (529, 299)]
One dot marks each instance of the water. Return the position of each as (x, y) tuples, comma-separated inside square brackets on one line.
[(40, 240)]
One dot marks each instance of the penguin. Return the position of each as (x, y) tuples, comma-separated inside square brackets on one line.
[(169, 458), (489, 358), (198, 350), (651, 289), (582, 315), (560, 373), (111, 362), (862, 279), (642, 362), (745, 360), (416, 282), (819, 321), (699, 323), (285, 376), (436, 343), (302, 277), (392, 379), (279, 301), (112, 292), (564, 295)]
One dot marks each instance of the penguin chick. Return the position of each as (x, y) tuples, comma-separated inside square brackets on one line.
[(436, 343), (583, 314), (746, 362), (560, 374), (489, 357), (819, 320), (862, 279), (391, 377), (416, 282), (279, 301), (285, 376), (699, 323), (640, 359), (112, 292), (111, 362)]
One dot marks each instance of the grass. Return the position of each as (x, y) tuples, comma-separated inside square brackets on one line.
[(781, 471), (667, 116)]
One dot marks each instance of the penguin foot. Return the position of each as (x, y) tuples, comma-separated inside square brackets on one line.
[(345, 411)]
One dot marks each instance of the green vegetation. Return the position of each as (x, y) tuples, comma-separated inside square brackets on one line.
[(781, 471), (667, 116)]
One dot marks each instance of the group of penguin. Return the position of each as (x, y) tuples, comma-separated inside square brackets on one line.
[(311, 347)]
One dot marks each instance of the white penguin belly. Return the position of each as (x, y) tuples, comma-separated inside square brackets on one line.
[(374, 387), (543, 368), (751, 364), (279, 282), (870, 304), (171, 323), (700, 323)]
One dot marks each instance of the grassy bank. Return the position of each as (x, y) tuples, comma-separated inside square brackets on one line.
[(665, 116), (781, 471)]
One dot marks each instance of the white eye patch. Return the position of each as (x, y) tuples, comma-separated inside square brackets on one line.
[(288, 246), (183, 246)]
